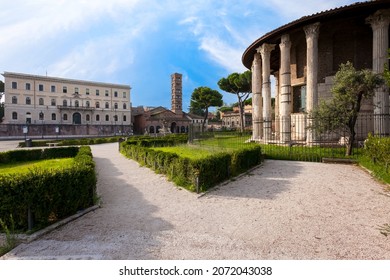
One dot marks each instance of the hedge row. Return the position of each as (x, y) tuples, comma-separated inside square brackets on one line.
[(378, 149), (72, 142), (50, 195), (168, 140), (37, 154), (195, 175)]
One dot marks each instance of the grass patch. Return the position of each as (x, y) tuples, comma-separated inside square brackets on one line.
[(378, 171), (24, 167)]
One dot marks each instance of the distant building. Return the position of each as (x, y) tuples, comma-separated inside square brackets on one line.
[(231, 119), (74, 106), (153, 120)]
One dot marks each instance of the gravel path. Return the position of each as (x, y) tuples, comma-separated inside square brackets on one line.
[(280, 210)]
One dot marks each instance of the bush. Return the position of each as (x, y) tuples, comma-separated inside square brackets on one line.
[(377, 149), (49, 194)]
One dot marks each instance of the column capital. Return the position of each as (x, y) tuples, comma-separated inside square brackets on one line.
[(379, 19), (285, 41), (265, 48), (312, 30)]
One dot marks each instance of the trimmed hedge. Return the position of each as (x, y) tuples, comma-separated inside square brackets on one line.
[(37, 154), (194, 175), (50, 195), (72, 142)]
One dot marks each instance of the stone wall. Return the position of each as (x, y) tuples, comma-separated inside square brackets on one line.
[(53, 131)]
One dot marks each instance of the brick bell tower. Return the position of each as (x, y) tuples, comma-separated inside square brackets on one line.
[(176, 93)]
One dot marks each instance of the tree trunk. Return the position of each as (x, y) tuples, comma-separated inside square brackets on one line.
[(241, 109)]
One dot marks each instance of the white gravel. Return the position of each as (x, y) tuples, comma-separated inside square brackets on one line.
[(280, 210)]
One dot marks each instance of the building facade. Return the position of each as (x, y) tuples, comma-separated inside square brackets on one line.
[(41, 100), (157, 120), (304, 55)]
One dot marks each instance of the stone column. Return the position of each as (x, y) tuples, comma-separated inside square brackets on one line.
[(257, 102), (312, 32), (285, 89), (380, 27), (277, 106), (265, 51)]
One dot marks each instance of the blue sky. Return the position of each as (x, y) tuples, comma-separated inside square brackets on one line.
[(141, 43)]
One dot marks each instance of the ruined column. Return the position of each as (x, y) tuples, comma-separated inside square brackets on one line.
[(312, 32), (277, 101), (265, 51), (380, 27), (257, 103), (285, 89)]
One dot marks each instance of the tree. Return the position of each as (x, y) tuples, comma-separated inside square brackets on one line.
[(350, 88), (202, 98), (241, 86), (386, 73)]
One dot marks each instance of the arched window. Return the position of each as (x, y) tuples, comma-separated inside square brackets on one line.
[(115, 118), (87, 118), (53, 117), (107, 118), (97, 105), (97, 118), (41, 101), (115, 105), (151, 129), (124, 106), (107, 105), (28, 101), (65, 117), (14, 100), (87, 104), (124, 118), (65, 103), (14, 115), (41, 116)]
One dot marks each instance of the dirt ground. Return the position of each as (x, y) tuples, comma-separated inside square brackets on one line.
[(280, 210)]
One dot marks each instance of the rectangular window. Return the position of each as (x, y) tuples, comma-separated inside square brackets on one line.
[(115, 94), (40, 87), (124, 94), (28, 86), (106, 93), (97, 92), (64, 89), (76, 90), (14, 85), (53, 88), (87, 91)]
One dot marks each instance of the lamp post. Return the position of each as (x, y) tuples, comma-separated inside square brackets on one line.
[(41, 116)]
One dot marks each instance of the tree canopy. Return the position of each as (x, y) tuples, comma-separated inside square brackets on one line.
[(202, 98), (241, 86), (350, 88)]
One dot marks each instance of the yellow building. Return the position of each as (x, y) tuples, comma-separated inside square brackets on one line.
[(41, 100)]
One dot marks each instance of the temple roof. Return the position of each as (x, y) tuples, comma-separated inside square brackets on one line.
[(363, 9)]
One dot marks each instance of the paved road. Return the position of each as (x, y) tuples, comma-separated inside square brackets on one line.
[(281, 210)]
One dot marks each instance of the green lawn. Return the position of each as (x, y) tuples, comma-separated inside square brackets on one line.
[(22, 167), (203, 148)]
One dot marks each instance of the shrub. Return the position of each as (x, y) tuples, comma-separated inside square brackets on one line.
[(377, 149)]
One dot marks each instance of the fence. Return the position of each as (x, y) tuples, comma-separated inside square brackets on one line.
[(294, 138)]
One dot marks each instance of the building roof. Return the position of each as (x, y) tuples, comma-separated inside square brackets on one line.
[(63, 80), (362, 9)]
